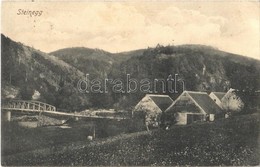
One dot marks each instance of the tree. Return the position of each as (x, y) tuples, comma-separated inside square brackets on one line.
[(231, 102), (148, 113)]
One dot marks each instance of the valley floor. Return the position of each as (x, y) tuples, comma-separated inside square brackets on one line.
[(232, 141)]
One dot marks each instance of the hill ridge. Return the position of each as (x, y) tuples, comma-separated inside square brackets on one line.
[(57, 74)]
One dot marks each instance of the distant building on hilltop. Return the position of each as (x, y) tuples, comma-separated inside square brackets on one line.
[(192, 106), (151, 108), (217, 96)]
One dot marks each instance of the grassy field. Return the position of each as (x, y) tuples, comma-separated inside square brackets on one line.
[(233, 141), (16, 139)]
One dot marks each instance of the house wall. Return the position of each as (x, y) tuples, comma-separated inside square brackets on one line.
[(188, 118), (184, 106), (197, 117)]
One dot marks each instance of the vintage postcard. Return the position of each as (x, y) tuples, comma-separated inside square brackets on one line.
[(130, 83)]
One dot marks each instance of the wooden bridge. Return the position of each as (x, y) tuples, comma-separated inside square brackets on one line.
[(40, 107)]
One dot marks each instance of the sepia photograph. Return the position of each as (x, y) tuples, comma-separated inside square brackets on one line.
[(130, 83)]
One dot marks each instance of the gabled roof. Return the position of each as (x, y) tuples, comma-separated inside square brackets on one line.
[(202, 100), (219, 95), (162, 101), (205, 102)]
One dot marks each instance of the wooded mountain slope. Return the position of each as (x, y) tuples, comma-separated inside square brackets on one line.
[(55, 75)]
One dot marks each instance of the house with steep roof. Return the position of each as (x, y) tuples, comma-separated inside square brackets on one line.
[(192, 106), (151, 107), (216, 97)]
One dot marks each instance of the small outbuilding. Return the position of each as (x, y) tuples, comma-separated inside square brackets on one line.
[(151, 107), (192, 106)]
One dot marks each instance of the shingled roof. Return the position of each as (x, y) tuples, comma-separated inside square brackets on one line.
[(219, 95), (202, 100), (162, 101)]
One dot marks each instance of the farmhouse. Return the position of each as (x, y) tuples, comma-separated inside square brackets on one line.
[(151, 108), (217, 96), (192, 106)]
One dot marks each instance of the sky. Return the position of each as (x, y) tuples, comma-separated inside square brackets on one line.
[(123, 26)]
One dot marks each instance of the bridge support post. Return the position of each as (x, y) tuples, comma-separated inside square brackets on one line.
[(7, 116)]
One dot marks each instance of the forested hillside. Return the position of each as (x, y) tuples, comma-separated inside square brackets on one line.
[(202, 68), (55, 75), (26, 70)]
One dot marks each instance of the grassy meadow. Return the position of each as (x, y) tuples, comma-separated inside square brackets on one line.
[(233, 141)]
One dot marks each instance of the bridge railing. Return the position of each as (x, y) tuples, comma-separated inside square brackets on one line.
[(28, 105)]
